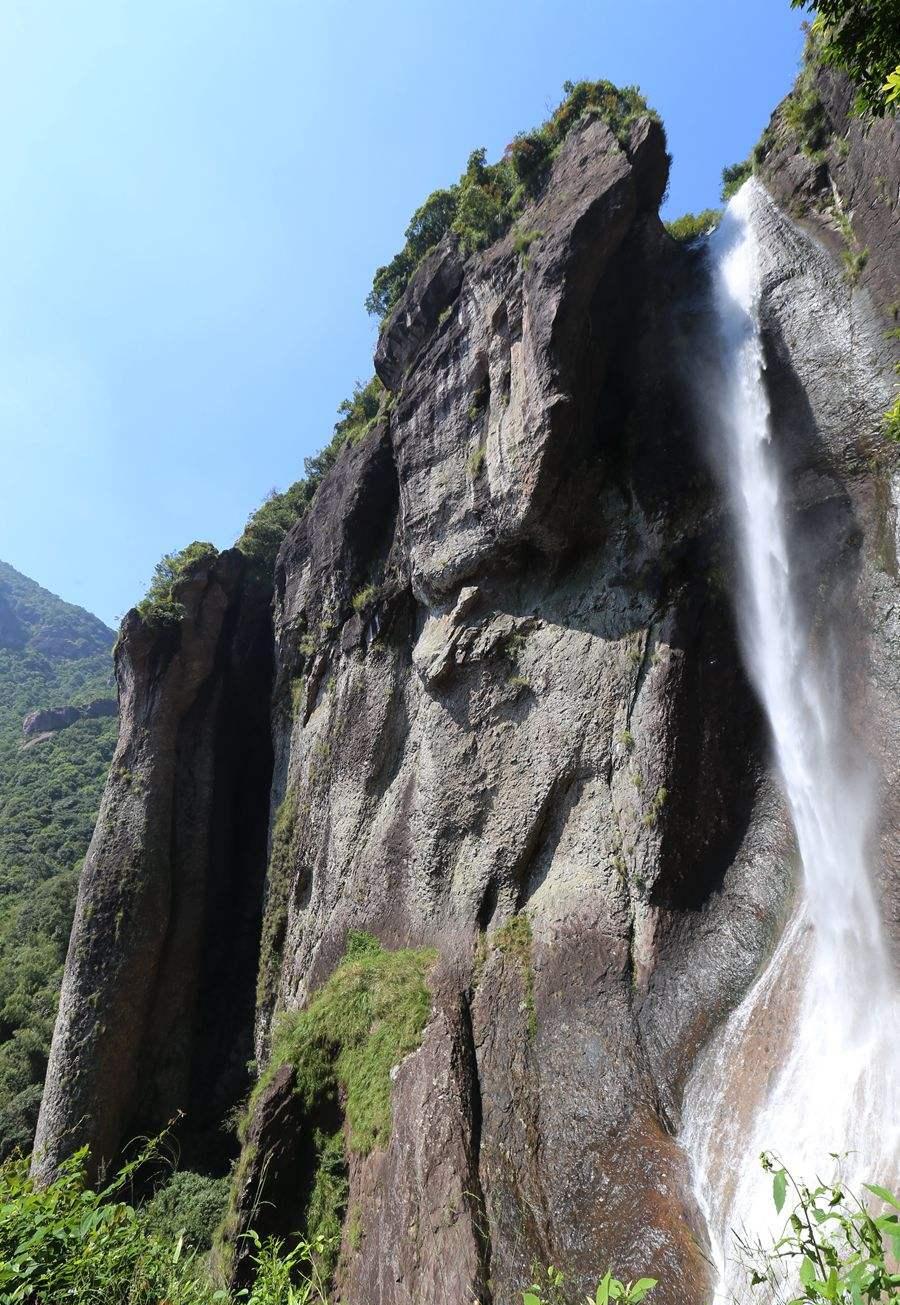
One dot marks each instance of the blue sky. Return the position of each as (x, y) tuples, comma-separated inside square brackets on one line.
[(195, 194)]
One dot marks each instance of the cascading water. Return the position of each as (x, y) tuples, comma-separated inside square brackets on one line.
[(809, 1064)]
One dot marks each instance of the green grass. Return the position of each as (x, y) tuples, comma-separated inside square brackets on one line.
[(360, 1024), (892, 422), (515, 940), (363, 1021), (522, 242), (278, 886)]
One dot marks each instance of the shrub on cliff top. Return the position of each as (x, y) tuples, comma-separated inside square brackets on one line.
[(691, 226), (733, 177), (159, 606), (483, 204)]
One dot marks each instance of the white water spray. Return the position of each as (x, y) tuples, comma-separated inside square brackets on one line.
[(809, 1063)]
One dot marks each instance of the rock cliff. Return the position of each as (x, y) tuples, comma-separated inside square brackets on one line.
[(509, 722)]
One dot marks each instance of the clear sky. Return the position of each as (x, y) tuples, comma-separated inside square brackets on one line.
[(194, 197)]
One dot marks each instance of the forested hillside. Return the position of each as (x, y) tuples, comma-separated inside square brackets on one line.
[(52, 654)]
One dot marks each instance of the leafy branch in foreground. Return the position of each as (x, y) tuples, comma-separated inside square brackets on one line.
[(861, 37), (608, 1289), (833, 1247)]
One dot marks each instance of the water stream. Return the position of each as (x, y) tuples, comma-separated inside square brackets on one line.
[(808, 1064)]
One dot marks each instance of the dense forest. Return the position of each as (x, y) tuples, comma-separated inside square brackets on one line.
[(51, 654)]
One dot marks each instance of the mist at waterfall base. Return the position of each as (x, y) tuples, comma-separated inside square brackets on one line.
[(807, 1067)]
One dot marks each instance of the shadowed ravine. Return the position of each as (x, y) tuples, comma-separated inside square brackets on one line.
[(804, 1067)]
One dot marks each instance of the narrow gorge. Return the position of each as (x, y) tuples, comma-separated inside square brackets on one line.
[(517, 855)]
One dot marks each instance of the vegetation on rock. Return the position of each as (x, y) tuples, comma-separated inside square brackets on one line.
[(357, 1027), (692, 226), (159, 606), (892, 421), (861, 37), (268, 525), (488, 197), (67, 1241), (342, 1047), (733, 177)]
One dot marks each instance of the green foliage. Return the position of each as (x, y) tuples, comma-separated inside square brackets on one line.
[(892, 422), (733, 177), (841, 1247), (160, 606), (854, 261), (693, 226), (188, 1206), (514, 939), (287, 1277), (485, 201), (651, 815), (367, 1017), (68, 1242), (364, 598), (522, 242), (891, 89), (267, 527), (804, 114), (853, 257), (549, 1292), (860, 37), (51, 654), (476, 461)]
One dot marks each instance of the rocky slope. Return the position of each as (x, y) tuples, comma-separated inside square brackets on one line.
[(508, 721)]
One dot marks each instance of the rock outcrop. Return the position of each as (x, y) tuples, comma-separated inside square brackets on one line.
[(157, 998), (509, 722), (47, 720)]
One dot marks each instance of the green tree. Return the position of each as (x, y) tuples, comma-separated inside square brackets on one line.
[(862, 37)]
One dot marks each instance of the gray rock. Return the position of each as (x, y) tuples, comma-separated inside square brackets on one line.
[(50, 719)]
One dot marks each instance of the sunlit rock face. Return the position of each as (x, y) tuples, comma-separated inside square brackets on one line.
[(507, 688)]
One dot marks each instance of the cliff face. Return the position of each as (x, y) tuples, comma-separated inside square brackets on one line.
[(510, 722), (157, 997)]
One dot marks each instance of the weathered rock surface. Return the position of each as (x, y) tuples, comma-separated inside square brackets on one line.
[(158, 992), (509, 721)]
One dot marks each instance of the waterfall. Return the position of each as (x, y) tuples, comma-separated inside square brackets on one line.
[(808, 1064)]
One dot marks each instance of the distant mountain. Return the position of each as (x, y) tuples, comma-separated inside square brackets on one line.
[(55, 660)]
